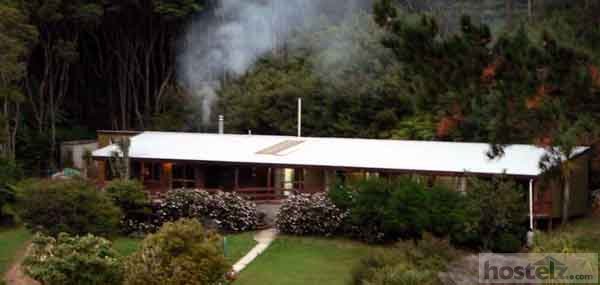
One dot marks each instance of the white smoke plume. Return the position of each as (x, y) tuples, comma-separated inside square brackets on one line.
[(241, 31)]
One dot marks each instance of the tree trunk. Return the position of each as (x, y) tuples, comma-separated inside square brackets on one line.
[(13, 137), (4, 148), (566, 198), (509, 12), (530, 9)]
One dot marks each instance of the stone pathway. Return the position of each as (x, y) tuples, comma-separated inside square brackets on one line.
[(264, 239), (270, 211)]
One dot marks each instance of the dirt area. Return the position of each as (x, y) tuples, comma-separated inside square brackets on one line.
[(15, 275)]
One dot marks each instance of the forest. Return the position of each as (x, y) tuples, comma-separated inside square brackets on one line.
[(497, 71)]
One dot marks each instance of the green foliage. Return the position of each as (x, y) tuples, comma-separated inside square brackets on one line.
[(10, 173), (490, 215), (130, 197), (177, 9), (407, 263), (73, 260), (446, 211), (496, 212), (71, 206), (405, 209), (370, 221), (180, 253), (407, 214), (508, 243), (344, 75), (16, 37)]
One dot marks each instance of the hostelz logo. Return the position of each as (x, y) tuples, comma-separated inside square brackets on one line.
[(538, 268)]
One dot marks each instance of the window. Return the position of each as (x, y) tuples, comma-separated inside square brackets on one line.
[(152, 171), (184, 176)]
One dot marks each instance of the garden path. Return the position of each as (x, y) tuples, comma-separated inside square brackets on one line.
[(264, 239), (15, 275)]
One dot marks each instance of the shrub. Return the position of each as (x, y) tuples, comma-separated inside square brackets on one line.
[(368, 202), (306, 214), (73, 260), (493, 208), (382, 210), (179, 253), (137, 214), (10, 173), (406, 263), (568, 240), (408, 210), (230, 212), (71, 206), (446, 210), (507, 243)]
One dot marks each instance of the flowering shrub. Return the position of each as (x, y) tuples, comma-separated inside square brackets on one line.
[(73, 260), (306, 214), (230, 212)]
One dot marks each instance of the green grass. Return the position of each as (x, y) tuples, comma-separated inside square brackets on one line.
[(302, 260), (11, 242), (126, 246), (237, 245)]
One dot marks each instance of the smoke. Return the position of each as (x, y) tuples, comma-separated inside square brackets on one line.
[(229, 42)]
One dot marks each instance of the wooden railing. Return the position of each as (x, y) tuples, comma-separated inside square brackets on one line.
[(267, 194), (261, 194)]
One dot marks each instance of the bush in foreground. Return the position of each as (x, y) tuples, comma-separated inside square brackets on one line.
[(135, 206), (71, 206), (230, 212), (407, 263), (179, 253), (310, 215), (73, 260)]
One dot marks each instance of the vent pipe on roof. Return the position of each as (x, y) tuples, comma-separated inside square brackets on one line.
[(299, 117), (221, 124)]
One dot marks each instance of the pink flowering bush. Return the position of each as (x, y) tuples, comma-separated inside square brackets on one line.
[(228, 211), (306, 214)]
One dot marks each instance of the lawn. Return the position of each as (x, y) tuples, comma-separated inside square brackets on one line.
[(126, 246), (11, 242), (302, 260), (237, 245)]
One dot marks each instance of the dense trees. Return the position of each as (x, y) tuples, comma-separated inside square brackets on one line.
[(71, 67), (94, 64), (16, 39)]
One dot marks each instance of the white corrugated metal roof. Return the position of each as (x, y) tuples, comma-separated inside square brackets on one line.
[(334, 152)]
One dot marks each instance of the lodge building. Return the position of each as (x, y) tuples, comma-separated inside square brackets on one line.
[(267, 168)]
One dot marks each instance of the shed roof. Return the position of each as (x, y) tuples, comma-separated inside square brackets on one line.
[(393, 155)]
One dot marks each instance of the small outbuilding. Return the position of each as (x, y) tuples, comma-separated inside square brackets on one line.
[(269, 167)]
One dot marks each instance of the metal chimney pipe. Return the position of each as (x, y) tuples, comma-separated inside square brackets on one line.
[(299, 117), (221, 124)]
